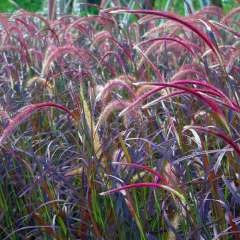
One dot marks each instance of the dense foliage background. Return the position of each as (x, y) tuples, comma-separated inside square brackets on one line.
[(120, 123), (37, 5), (28, 5)]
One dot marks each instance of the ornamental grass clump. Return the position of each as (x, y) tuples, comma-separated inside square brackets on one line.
[(120, 125)]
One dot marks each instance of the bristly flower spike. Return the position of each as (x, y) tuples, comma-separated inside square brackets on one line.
[(25, 114), (175, 18)]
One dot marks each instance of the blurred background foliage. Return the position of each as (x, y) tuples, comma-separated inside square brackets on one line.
[(28, 5), (67, 6)]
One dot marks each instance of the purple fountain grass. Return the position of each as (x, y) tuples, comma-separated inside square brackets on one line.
[(212, 8), (149, 50), (136, 30), (137, 185), (148, 18), (92, 5), (207, 11), (103, 35), (5, 48), (104, 48), (115, 8), (229, 29), (58, 52), (106, 11), (123, 48), (163, 27), (232, 60), (151, 25), (176, 70), (111, 84), (10, 47), (80, 28), (68, 39), (174, 54), (195, 82), (218, 134), (95, 18), (177, 93), (30, 28), (113, 106), (211, 28), (59, 20), (169, 39), (169, 169), (171, 123), (192, 19), (21, 159), (4, 114), (144, 168), (233, 22), (116, 155), (118, 57), (15, 29), (145, 88), (37, 53), (177, 19), (31, 14), (195, 66), (232, 13), (53, 38), (160, 77), (188, 43), (209, 51), (180, 41), (5, 15), (25, 113), (185, 72), (127, 78), (42, 81), (209, 102), (140, 99)]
